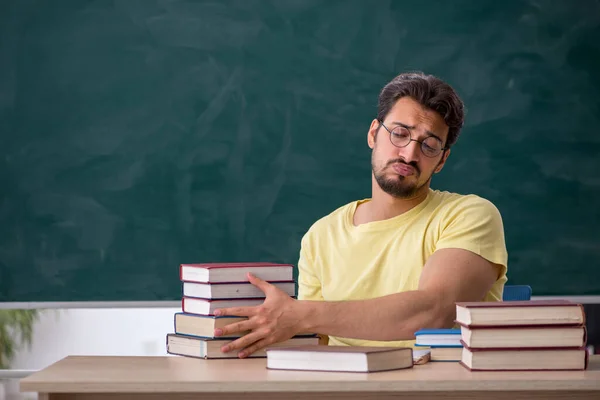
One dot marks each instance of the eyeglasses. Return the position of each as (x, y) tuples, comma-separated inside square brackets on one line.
[(400, 137)]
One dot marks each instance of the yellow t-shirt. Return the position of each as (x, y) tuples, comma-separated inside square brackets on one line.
[(341, 261)]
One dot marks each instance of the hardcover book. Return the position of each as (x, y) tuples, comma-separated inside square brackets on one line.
[(340, 358), (524, 359), (235, 272), (531, 312)]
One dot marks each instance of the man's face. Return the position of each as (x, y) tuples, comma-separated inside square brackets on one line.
[(404, 172)]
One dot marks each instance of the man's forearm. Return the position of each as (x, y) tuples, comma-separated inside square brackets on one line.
[(393, 317)]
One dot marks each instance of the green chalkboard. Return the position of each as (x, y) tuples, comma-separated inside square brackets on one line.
[(136, 135)]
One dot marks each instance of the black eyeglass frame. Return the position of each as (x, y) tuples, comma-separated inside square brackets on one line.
[(410, 139)]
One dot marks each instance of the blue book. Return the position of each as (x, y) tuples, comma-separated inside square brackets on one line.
[(438, 337)]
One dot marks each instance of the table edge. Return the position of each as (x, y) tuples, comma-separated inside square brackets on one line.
[(300, 386)]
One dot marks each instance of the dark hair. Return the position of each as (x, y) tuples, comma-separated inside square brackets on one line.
[(429, 91)]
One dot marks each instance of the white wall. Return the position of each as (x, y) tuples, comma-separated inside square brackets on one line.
[(114, 331)]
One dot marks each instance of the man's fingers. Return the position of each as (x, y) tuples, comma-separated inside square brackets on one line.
[(242, 342), (238, 327), (261, 344), (259, 283), (235, 312)]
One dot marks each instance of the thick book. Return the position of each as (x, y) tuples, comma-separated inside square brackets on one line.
[(235, 272), (525, 359), (240, 290), (480, 337), (204, 325), (453, 353), (191, 305), (513, 313), (437, 337), (340, 358), (197, 347)]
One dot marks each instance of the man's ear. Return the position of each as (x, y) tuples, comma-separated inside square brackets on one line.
[(442, 161), (372, 134)]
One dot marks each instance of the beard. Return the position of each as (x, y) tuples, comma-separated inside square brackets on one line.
[(397, 185)]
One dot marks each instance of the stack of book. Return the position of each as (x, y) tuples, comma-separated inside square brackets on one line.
[(211, 286), (523, 335), (444, 344)]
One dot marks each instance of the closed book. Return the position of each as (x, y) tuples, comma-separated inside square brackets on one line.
[(204, 325), (446, 353), (197, 347), (480, 337), (437, 337), (340, 358), (525, 359), (191, 305), (520, 313), (241, 290), (235, 272)]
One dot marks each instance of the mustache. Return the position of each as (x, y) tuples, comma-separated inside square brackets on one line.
[(399, 161)]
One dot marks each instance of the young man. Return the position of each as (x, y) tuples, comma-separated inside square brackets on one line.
[(376, 270)]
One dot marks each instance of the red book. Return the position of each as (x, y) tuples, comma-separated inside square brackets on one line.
[(192, 305), (235, 272), (237, 290), (479, 337), (525, 359), (519, 313)]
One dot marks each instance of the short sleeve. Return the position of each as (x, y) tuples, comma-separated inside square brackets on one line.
[(475, 224), (309, 284)]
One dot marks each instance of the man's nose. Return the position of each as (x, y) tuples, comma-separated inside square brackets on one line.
[(411, 152)]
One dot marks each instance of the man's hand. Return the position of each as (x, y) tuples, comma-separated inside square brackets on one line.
[(279, 318)]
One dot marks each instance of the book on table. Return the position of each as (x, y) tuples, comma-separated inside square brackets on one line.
[(446, 353), (210, 348), (339, 358), (525, 359)]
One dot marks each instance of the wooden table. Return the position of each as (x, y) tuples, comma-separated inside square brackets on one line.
[(103, 377)]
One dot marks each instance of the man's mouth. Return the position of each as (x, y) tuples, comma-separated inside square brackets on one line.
[(403, 169)]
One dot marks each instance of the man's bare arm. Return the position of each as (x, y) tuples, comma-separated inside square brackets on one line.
[(450, 275)]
